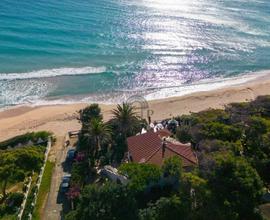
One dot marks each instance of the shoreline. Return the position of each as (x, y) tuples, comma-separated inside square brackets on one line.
[(60, 118), (150, 94)]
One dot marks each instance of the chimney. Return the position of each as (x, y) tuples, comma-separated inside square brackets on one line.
[(129, 156), (149, 119), (164, 144)]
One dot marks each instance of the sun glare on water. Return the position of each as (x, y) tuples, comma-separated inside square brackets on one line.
[(170, 37)]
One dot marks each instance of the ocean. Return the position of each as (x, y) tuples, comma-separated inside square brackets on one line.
[(107, 50)]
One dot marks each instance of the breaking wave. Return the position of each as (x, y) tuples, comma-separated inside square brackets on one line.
[(47, 73)]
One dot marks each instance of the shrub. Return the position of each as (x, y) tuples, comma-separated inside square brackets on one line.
[(140, 175), (79, 172), (25, 138), (183, 134), (216, 130), (165, 209), (15, 199), (172, 167), (11, 205)]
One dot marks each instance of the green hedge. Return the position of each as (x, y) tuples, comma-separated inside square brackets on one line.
[(28, 206), (24, 139)]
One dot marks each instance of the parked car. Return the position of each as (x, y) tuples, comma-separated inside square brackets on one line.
[(65, 183), (71, 154)]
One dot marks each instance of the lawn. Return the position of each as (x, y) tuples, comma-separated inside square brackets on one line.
[(43, 190), (13, 187), (9, 217)]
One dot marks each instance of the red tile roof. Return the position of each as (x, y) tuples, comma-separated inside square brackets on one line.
[(164, 133), (184, 150), (147, 148), (141, 147)]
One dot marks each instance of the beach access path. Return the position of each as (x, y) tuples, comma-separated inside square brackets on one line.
[(55, 202)]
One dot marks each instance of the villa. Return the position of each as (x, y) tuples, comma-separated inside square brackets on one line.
[(154, 147)]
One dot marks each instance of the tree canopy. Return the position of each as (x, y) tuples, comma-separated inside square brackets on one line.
[(140, 175), (18, 162), (233, 151), (109, 202), (236, 186)]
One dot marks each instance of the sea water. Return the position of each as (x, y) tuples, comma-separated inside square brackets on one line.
[(106, 50)]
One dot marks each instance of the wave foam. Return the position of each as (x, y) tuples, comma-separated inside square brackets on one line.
[(205, 85), (46, 73), (27, 94)]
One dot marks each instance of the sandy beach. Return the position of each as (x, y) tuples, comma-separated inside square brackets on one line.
[(62, 118)]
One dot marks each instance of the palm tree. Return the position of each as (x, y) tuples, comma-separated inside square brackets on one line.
[(88, 113), (126, 119), (125, 122), (97, 133)]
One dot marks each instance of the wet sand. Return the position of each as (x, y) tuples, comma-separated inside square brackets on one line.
[(62, 118)]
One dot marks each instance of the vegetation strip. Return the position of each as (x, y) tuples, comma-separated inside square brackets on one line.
[(44, 189), (32, 198), (21, 157), (25, 200)]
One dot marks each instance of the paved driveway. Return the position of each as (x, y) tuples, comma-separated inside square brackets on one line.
[(56, 202)]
